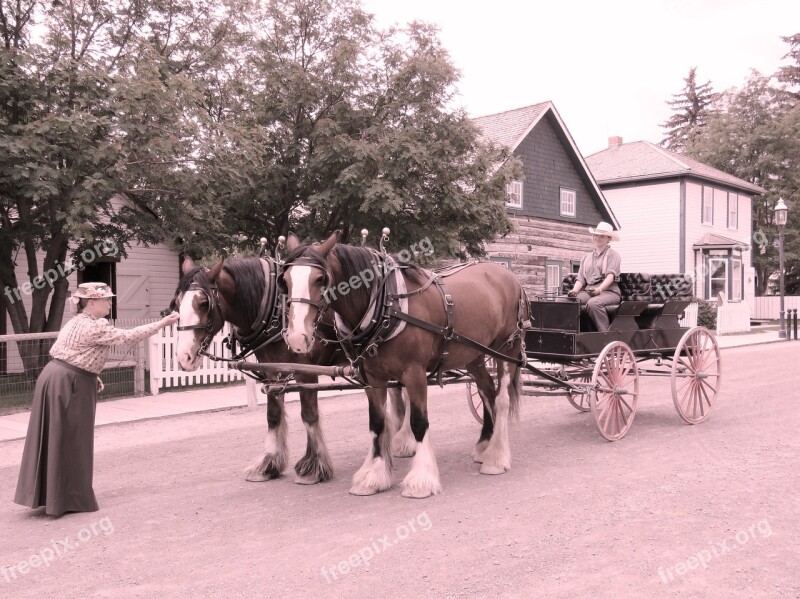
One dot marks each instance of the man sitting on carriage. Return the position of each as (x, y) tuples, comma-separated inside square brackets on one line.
[(597, 285)]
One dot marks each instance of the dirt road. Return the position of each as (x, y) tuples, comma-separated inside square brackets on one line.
[(670, 511)]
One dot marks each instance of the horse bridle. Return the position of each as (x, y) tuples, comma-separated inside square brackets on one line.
[(314, 260), (213, 306)]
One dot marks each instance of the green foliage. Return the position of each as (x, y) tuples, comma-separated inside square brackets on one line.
[(706, 314), (210, 126), (691, 108)]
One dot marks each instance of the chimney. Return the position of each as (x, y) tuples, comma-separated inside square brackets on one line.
[(614, 142)]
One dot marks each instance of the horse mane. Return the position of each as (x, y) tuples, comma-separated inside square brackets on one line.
[(248, 276)]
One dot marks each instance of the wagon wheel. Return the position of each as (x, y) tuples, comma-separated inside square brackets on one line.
[(474, 400), (580, 401), (616, 390), (696, 375)]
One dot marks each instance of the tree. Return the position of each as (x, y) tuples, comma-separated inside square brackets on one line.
[(691, 110), (334, 124), (755, 135), (790, 74), (97, 131)]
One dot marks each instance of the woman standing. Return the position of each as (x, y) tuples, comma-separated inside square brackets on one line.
[(58, 459)]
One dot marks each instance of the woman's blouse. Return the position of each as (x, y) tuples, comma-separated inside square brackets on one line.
[(85, 342)]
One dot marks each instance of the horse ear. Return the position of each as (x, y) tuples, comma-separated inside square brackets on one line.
[(328, 244), (187, 266), (292, 242), (213, 272)]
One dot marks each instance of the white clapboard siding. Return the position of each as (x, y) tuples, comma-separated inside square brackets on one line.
[(649, 219), (166, 373), (696, 230)]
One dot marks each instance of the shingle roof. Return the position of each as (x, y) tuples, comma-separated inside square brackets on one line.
[(642, 160), (508, 128)]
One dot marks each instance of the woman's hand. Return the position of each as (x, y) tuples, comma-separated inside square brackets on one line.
[(171, 319), (100, 385)]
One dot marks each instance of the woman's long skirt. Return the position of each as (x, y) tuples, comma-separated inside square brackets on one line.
[(58, 459)]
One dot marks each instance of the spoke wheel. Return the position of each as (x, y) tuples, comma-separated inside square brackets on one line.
[(474, 400), (696, 375), (580, 401), (616, 390)]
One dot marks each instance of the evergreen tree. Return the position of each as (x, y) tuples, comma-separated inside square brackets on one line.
[(691, 109)]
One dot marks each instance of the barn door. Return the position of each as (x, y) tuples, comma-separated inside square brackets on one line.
[(133, 295)]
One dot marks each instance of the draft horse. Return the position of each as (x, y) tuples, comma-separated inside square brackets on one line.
[(405, 324), (244, 293)]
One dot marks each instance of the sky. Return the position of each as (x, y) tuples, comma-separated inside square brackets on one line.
[(608, 66)]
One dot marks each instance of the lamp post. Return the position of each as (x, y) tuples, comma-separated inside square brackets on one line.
[(781, 213)]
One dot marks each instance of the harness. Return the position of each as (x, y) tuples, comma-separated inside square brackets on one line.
[(386, 316), (266, 328)]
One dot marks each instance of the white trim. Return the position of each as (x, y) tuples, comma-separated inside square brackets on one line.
[(567, 190), (510, 193)]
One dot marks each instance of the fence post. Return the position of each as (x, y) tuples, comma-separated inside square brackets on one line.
[(795, 324), (138, 371), (154, 358)]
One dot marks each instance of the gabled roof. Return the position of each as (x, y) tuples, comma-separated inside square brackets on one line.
[(511, 127), (644, 161), (712, 240)]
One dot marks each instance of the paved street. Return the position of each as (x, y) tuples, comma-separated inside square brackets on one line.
[(670, 511)]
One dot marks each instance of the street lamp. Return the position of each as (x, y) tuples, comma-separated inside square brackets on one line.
[(781, 213)]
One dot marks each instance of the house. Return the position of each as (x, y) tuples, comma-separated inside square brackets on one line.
[(679, 215), (144, 283), (553, 205)]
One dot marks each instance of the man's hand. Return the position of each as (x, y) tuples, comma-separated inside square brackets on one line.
[(571, 293), (100, 385), (594, 292)]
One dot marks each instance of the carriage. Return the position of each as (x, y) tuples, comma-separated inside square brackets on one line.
[(395, 325), (599, 372)]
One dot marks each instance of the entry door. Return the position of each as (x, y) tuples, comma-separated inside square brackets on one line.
[(133, 295)]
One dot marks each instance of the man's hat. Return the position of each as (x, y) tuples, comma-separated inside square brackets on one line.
[(605, 229)]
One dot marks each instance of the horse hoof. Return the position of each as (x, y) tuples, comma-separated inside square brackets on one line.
[(362, 491), (305, 480), (403, 452), (258, 477), (416, 493), (495, 469)]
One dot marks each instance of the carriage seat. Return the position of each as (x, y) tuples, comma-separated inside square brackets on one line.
[(647, 300)]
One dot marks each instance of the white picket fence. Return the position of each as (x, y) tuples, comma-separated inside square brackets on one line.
[(733, 317), (165, 371), (768, 307), (690, 315)]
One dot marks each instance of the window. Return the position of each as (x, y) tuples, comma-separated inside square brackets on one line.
[(514, 194), (567, 202), (708, 206), (504, 262), (552, 277), (733, 211), (736, 279), (574, 266), (717, 277)]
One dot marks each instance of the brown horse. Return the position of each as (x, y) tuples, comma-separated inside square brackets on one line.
[(488, 307), (235, 292)]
